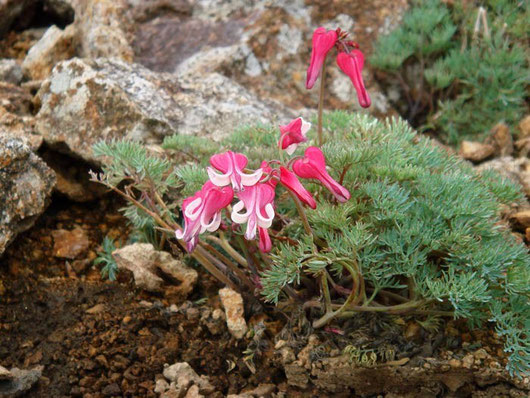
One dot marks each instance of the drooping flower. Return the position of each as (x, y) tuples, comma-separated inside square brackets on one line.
[(231, 164), (352, 64), (323, 41), (202, 212), (293, 134), (264, 244), (267, 171), (258, 202), (313, 165), (289, 180)]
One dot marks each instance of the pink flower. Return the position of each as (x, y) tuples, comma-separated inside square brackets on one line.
[(352, 64), (265, 244), (313, 165), (267, 171), (258, 202), (289, 181), (322, 42), (231, 165), (202, 212), (293, 134)]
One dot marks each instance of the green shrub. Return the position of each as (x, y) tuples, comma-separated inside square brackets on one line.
[(421, 232), (456, 81)]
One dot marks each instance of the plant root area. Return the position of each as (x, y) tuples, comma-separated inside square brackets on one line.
[(96, 338)]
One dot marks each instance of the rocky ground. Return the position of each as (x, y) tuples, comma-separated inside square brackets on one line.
[(73, 72)]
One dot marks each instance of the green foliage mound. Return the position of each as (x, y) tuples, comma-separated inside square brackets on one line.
[(458, 77), (421, 234)]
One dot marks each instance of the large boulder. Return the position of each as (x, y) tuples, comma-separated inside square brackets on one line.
[(26, 184), (85, 101)]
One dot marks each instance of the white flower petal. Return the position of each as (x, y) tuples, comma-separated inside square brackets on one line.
[(305, 127), (190, 209), (291, 148), (251, 179), (221, 180), (266, 222), (214, 224), (237, 217)]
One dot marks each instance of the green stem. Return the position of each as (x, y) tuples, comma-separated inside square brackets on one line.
[(321, 104)]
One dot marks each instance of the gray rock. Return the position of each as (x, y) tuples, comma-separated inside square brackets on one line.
[(182, 377), (56, 45), (85, 101), (20, 381), (26, 184), (99, 29), (10, 71), (146, 264)]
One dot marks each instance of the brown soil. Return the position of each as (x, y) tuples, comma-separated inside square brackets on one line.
[(97, 338)]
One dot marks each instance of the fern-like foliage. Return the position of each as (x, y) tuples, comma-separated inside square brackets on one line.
[(456, 81)]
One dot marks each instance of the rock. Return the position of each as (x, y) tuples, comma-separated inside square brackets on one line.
[(501, 140), (193, 392), (5, 374), (96, 309), (523, 146), (522, 218), (15, 99), (21, 381), (161, 386), (56, 45), (26, 184), (468, 361), (19, 12), (146, 263), (182, 377), (524, 127), (112, 390), (85, 101), (99, 32), (475, 151), (20, 127), (233, 305), (70, 244), (10, 71), (516, 169)]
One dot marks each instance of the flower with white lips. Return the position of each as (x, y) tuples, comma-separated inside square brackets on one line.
[(231, 164), (258, 202)]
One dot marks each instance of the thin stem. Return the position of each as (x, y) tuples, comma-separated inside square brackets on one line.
[(321, 104), (301, 213), (325, 292), (223, 242)]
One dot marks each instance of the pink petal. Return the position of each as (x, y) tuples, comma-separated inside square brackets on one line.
[(289, 180), (322, 42), (265, 244), (352, 65)]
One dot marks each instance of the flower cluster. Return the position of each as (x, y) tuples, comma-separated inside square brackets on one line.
[(255, 190), (349, 59)]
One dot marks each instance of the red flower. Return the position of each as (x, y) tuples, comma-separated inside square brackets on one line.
[(202, 212), (322, 42), (352, 64), (313, 165), (289, 181), (293, 134)]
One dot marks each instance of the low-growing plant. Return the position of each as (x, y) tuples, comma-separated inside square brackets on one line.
[(461, 69), (372, 218), (110, 268)]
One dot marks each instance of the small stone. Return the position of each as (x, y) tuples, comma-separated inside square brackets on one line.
[(233, 305), (146, 264), (54, 46), (468, 361), (524, 127), (527, 233), (96, 309), (475, 151), (522, 218), (193, 392), (10, 71), (70, 244), (501, 139), (5, 374), (126, 319), (455, 363), (413, 331), (112, 390), (161, 386), (20, 381), (481, 354), (182, 376)]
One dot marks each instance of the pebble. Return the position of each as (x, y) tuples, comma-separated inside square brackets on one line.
[(468, 361), (475, 151), (96, 309), (233, 305), (69, 244), (455, 363)]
